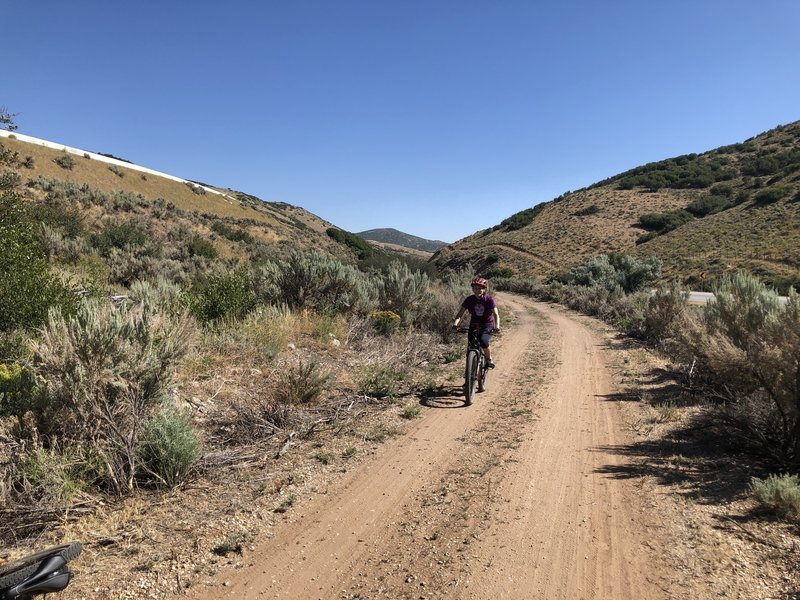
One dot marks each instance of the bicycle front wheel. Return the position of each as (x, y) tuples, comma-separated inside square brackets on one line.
[(470, 376)]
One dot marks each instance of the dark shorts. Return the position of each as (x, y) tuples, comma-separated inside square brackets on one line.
[(484, 335)]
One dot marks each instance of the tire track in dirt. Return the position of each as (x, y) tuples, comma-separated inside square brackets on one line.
[(500, 500)]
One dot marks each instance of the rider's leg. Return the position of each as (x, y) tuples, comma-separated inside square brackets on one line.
[(487, 352)]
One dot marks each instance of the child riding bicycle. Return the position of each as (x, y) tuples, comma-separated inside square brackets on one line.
[(483, 315)]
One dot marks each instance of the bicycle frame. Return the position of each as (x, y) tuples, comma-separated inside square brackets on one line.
[(475, 369)]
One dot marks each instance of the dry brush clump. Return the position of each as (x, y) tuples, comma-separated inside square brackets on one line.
[(102, 375), (747, 347)]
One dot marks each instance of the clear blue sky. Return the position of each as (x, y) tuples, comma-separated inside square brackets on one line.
[(438, 118)]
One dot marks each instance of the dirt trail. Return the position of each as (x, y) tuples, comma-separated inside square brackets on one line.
[(509, 498)]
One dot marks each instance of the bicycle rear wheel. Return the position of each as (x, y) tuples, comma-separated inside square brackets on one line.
[(16, 571), (470, 376)]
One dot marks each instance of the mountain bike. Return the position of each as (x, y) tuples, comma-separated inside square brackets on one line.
[(475, 370), (45, 572)]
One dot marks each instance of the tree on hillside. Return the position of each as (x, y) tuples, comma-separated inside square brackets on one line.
[(7, 119)]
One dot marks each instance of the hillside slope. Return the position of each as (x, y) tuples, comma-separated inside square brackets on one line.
[(743, 212), (393, 237), (94, 195)]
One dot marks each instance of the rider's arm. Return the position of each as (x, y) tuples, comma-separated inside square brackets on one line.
[(459, 315), (496, 316)]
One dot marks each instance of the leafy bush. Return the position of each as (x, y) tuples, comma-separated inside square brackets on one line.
[(233, 234), (385, 322), (104, 371), (27, 288), (169, 447), (358, 245), (778, 493), (16, 389), (664, 222), (118, 234), (378, 381), (197, 246), (771, 194), (216, 297), (709, 205), (116, 170)]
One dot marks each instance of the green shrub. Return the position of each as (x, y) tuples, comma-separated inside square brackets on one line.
[(9, 180), (16, 390), (118, 234), (771, 195), (54, 475), (27, 288), (664, 222), (116, 170), (358, 245), (197, 246), (216, 297), (665, 309), (589, 210), (778, 493), (233, 234), (748, 349), (494, 272), (65, 161), (612, 271), (169, 448), (378, 381), (709, 205), (385, 322)]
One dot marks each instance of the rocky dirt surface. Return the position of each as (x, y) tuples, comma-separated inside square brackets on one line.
[(570, 477)]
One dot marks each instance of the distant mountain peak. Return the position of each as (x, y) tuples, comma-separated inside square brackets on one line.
[(393, 236)]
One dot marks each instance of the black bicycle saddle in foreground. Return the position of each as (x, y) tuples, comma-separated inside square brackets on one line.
[(45, 572)]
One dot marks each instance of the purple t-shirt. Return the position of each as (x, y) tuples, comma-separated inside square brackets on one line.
[(481, 311)]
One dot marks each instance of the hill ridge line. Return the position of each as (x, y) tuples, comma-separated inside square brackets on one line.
[(106, 159)]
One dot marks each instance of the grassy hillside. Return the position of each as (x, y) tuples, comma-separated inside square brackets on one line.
[(81, 199), (736, 207)]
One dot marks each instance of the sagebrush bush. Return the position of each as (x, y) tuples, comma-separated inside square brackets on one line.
[(664, 314), (104, 371), (65, 161), (315, 281), (302, 384), (747, 344), (778, 493), (405, 292), (169, 447)]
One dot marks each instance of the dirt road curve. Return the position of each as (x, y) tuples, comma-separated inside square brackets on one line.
[(509, 498)]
